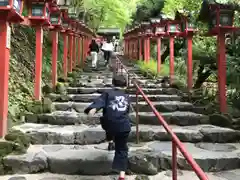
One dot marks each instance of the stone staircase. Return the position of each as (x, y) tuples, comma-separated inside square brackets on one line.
[(70, 145)]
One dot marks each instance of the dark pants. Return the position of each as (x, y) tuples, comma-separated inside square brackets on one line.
[(120, 160), (107, 55)]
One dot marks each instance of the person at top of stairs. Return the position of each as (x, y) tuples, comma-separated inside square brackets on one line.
[(115, 121), (107, 48), (94, 49)]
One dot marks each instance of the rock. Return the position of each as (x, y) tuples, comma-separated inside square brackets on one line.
[(221, 120), (60, 88), (32, 162), (90, 162), (140, 162), (142, 177), (35, 107), (47, 89), (21, 140), (48, 106), (6, 147)]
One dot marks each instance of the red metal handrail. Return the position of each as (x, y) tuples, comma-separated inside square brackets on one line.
[(176, 143)]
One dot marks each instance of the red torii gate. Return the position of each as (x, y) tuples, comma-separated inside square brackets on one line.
[(41, 14)]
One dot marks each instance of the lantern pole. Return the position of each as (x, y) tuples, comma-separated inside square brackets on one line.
[(65, 54), (5, 36), (189, 62), (171, 44), (158, 54), (70, 37), (54, 57), (74, 49), (221, 64), (79, 50), (38, 62)]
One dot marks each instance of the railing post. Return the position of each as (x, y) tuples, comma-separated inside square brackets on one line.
[(174, 161), (137, 118)]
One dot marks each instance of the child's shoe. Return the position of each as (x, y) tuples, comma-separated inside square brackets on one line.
[(111, 146), (121, 178)]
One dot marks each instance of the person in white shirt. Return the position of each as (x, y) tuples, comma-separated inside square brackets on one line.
[(107, 48)]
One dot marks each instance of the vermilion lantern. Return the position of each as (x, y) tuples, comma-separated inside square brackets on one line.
[(218, 16), (39, 13), (64, 4), (173, 27), (159, 28), (146, 27), (72, 12), (55, 16), (11, 10)]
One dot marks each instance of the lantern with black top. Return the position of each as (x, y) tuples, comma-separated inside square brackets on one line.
[(147, 30), (39, 13), (72, 12), (186, 23), (172, 27), (64, 4), (159, 27), (55, 16), (11, 10), (217, 15)]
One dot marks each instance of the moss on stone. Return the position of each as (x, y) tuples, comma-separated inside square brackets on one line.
[(47, 89), (35, 107), (47, 105), (61, 88), (21, 140)]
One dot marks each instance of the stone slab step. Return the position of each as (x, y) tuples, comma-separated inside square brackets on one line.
[(83, 134), (163, 106), (100, 83), (71, 118), (91, 97), (146, 158), (152, 91), (164, 175)]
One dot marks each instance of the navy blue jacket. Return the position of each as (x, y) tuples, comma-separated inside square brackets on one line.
[(115, 104)]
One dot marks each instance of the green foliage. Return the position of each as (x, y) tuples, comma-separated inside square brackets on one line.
[(106, 13), (151, 66)]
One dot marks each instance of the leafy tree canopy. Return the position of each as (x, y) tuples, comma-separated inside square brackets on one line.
[(106, 13)]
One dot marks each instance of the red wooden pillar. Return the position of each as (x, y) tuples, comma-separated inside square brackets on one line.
[(221, 63), (140, 49), (130, 49), (65, 55), (189, 62), (74, 51), (5, 42), (148, 49), (145, 49), (79, 51), (38, 63), (171, 63), (54, 57), (70, 53), (158, 54), (83, 50), (127, 48)]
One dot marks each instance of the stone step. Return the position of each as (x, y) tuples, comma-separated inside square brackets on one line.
[(152, 91), (91, 97), (182, 175), (164, 106), (84, 134), (100, 83), (146, 158), (71, 118)]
